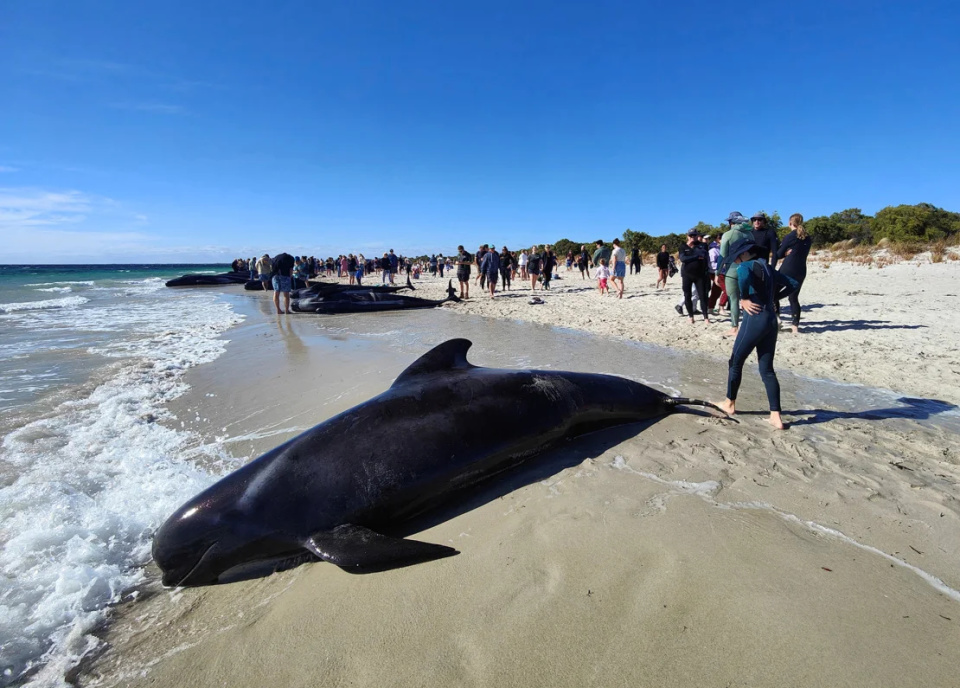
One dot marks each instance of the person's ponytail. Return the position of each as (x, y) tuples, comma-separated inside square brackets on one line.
[(796, 221)]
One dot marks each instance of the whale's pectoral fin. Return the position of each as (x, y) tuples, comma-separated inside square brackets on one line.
[(359, 548)]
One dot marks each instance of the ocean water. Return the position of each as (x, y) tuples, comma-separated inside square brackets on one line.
[(89, 355)]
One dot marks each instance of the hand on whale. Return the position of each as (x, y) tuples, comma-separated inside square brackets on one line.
[(334, 491)]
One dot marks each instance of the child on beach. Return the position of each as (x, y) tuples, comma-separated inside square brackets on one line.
[(602, 274)]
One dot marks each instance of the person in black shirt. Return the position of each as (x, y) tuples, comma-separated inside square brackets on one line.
[(384, 266), (549, 263), (464, 261), (481, 275), (663, 264), (694, 273), (635, 260), (766, 239), (794, 251), (533, 267), (506, 267), (282, 280), (583, 262)]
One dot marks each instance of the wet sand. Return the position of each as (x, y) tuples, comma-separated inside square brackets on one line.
[(688, 551)]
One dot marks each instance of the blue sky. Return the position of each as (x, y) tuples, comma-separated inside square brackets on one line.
[(197, 131)]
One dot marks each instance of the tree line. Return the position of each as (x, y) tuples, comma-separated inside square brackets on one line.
[(922, 222)]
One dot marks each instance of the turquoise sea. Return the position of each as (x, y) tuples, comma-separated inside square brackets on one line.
[(89, 355)]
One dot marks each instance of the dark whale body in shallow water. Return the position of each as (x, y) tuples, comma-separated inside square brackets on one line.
[(366, 301), (239, 277), (326, 288), (336, 488)]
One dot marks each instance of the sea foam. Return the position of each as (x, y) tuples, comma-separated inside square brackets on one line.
[(83, 489)]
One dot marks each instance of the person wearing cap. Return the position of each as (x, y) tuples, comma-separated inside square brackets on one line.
[(739, 229), (765, 237), (693, 273), (760, 286)]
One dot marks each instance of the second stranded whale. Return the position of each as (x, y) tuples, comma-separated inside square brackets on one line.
[(336, 489)]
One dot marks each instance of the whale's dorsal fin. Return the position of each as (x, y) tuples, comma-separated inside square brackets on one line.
[(451, 354)]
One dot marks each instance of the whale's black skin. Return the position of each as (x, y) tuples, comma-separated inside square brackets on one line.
[(335, 488), (326, 288), (366, 301), (239, 277)]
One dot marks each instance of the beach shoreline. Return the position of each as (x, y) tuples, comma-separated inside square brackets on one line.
[(882, 327), (686, 551)]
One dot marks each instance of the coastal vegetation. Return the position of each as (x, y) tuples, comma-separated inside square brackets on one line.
[(904, 229)]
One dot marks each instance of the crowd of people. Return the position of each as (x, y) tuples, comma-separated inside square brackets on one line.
[(734, 274)]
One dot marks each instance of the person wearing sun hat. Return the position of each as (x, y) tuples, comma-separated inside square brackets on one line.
[(760, 287), (739, 229)]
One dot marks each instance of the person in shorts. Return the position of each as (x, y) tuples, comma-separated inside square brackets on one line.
[(464, 260), (619, 267), (264, 270), (282, 280)]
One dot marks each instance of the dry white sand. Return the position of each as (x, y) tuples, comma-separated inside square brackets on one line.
[(693, 552), (892, 327)]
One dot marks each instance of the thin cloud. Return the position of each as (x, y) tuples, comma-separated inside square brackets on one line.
[(6, 168), (34, 207), (155, 108)]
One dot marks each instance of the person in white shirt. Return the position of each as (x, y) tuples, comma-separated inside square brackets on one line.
[(522, 261)]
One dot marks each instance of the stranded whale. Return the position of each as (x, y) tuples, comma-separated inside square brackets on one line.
[(333, 490), (367, 301)]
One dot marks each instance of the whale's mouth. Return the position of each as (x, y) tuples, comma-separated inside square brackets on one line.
[(172, 580)]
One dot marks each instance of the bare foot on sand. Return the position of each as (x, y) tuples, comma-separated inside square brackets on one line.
[(727, 407), (691, 321), (775, 420), (795, 329), (732, 332)]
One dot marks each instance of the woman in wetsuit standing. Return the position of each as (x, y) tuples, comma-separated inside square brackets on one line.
[(760, 288), (663, 264), (793, 252), (583, 262)]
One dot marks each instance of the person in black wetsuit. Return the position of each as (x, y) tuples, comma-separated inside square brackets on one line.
[(583, 262), (533, 267), (694, 273), (635, 260), (760, 286), (663, 265), (766, 239), (506, 267), (547, 265), (794, 251)]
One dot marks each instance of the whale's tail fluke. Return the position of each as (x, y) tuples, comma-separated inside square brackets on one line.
[(684, 401)]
